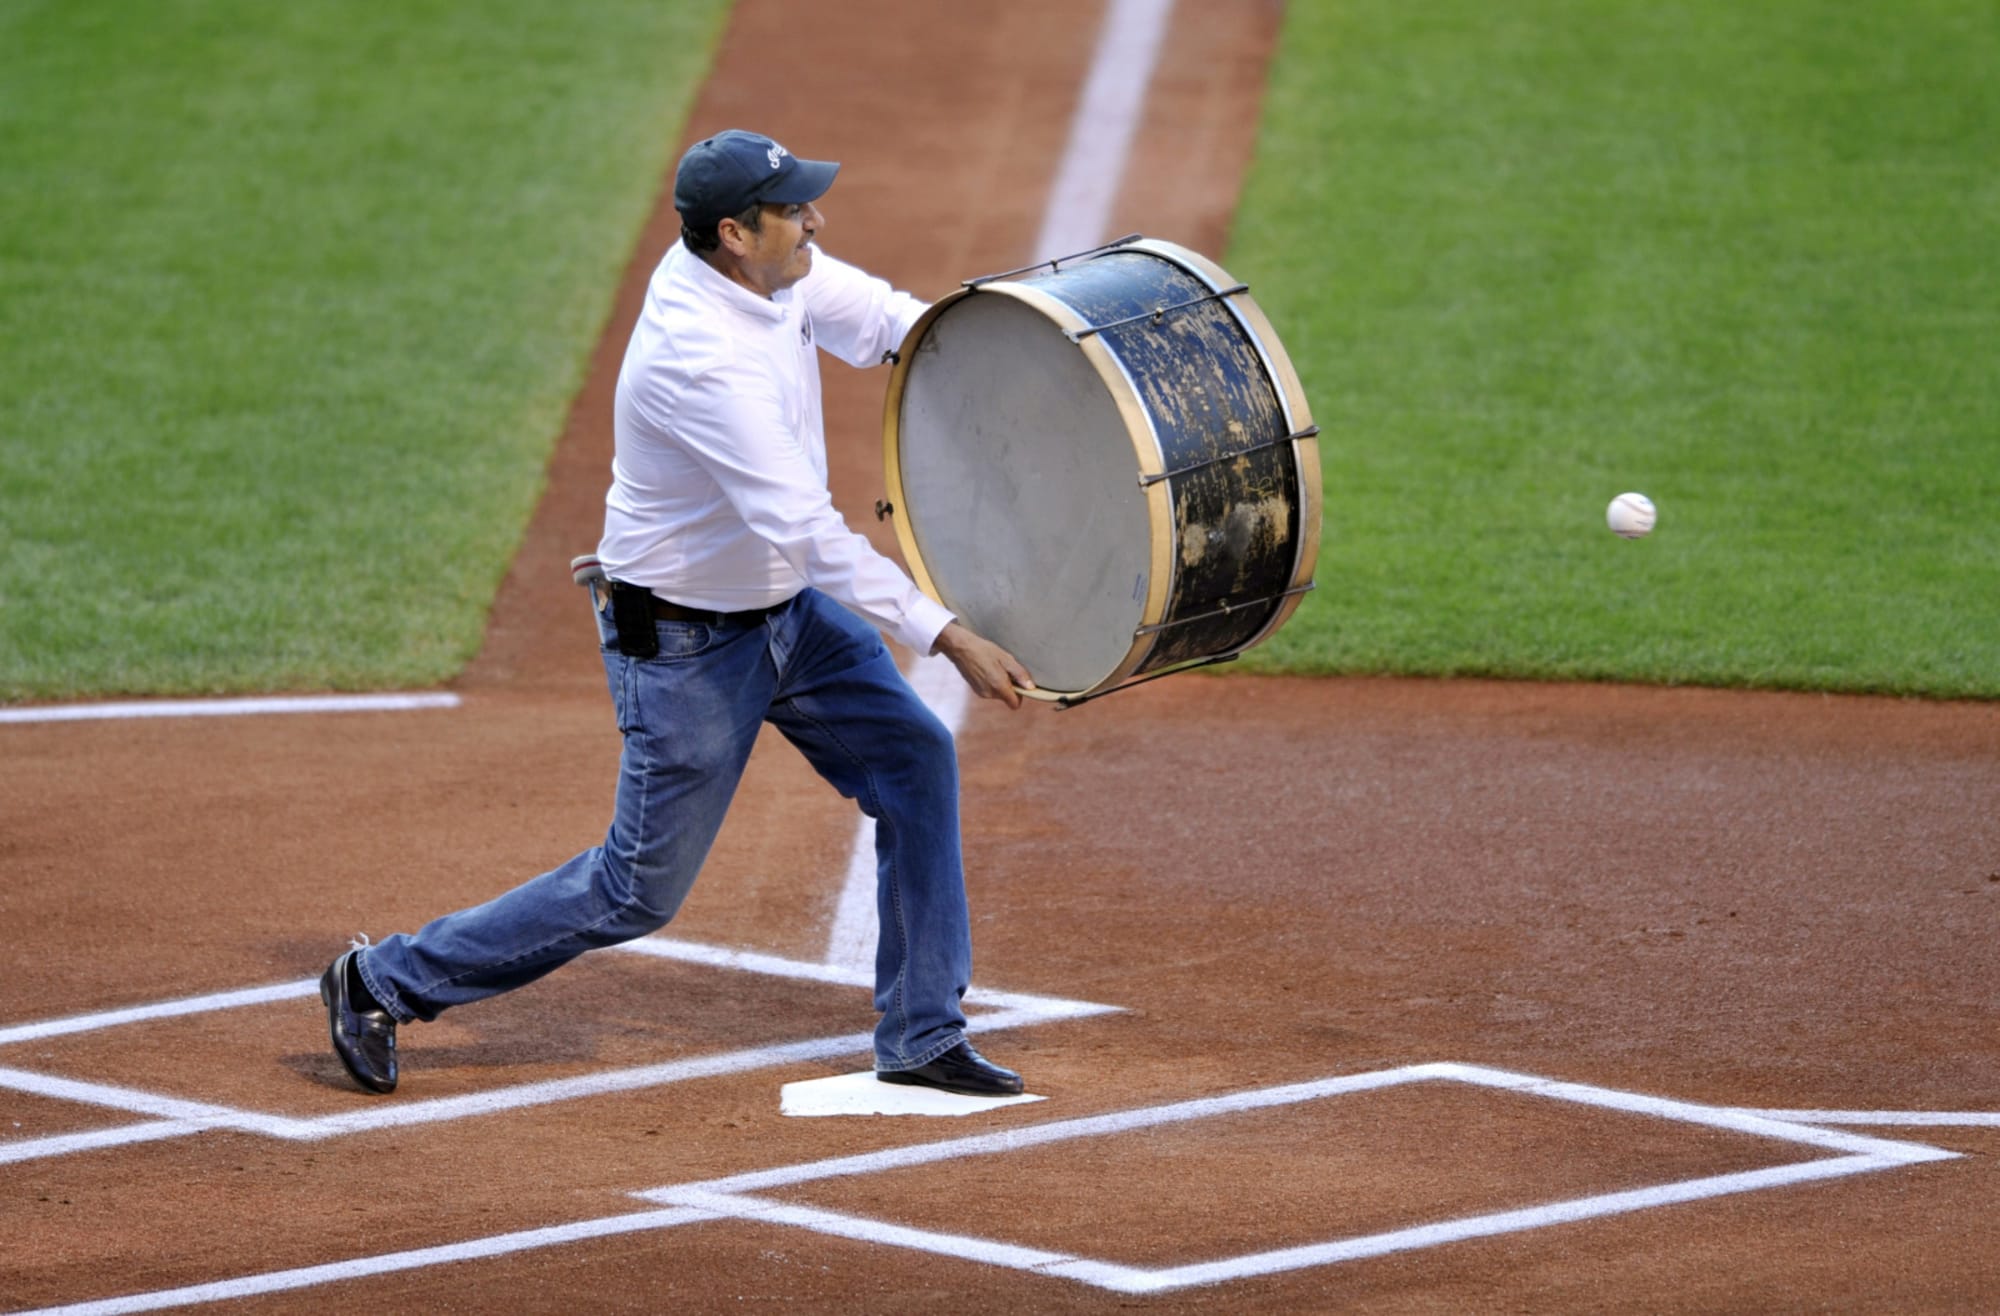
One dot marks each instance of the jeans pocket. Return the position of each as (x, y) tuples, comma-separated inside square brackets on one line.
[(638, 685), (682, 639)]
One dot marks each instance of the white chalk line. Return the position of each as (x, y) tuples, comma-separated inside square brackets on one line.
[(1037, 1135), (1739, 1121), (177, 1117), (729, 1197), (1106, 119), (189, 1113), (1138, 1279), (394, 703), (84, 1023), (852, 940), (866, 1230), (977, 997), (281, 1281), (607, 1082), (599, 1083), (1020, 1007), (122, 1135), (1291, 1094), (1927, 1119), (1101, 129)]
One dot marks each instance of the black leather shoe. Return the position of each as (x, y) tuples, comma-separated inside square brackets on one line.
[(365, 1040), (960, 1069)]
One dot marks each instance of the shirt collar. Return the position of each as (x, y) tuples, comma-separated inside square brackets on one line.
[(713, 283)]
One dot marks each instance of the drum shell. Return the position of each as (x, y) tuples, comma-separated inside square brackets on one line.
[(1217, 429)]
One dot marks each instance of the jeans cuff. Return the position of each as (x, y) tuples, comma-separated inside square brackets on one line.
[(931, 1054), (385, 996)]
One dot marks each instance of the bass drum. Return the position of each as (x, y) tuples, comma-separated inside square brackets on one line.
[(1107, 467)]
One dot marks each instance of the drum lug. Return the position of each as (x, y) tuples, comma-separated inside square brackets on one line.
[(1224, 608), (1057, 262), (1158, 313), (1309, 432), (884, 509)]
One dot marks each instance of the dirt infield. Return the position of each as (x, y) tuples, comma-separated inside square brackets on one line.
[(1688, 906)]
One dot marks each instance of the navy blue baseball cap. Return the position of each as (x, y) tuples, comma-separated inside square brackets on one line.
[(727, 173)]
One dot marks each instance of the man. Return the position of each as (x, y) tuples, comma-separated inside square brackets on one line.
[(732, 579)]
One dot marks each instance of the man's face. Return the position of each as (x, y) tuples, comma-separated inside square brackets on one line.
[(777, 254)]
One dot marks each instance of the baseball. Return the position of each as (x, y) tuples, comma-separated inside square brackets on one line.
[(1631, 515)]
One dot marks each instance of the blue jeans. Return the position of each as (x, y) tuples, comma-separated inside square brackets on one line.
[(689, 717)]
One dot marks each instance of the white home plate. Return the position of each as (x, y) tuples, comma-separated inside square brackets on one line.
[(864, 1094)]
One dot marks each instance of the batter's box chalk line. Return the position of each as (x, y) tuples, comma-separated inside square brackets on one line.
[(173, 1117), (738, 1195)]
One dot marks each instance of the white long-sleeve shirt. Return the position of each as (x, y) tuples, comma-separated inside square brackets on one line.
[(718, 488)]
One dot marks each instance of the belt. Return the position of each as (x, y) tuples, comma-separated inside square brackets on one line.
[(665, 610)]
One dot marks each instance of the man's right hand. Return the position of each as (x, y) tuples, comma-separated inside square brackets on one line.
[(990, 670)]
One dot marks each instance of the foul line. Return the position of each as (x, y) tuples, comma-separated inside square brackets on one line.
[(852, 940), (1101, 129), (1106, 119), (230, 707)]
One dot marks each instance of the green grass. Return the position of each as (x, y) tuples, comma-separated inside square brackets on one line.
[(293, 300), (1744, 258)]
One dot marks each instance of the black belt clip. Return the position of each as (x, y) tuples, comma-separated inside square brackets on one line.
[(632, 615)]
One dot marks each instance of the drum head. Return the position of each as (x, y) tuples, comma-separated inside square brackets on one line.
[(1029, 518)]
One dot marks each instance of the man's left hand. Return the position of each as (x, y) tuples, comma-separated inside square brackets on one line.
[(990, 670)]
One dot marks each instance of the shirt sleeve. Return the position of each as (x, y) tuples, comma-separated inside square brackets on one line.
[(856, 316), (732, 422)]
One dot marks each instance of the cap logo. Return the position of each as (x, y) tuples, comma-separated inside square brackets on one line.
[(775, 154)]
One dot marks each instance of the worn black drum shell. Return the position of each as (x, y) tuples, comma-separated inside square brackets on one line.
[(1138, 366)]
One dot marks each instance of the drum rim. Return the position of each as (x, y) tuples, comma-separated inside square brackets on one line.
[(1139, 431)]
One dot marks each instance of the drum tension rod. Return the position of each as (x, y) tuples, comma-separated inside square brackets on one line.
[(1057, 262), (1223, 609), (1148, 481), (1157, 314), (1071, 701)]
